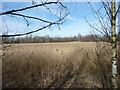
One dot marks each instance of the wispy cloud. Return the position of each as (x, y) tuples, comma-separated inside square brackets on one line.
[(57, 13), (11, 26), (71, 18)]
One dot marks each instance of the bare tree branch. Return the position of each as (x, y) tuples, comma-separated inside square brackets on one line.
[(57, 22), (105, 28), (30, 17), (27, 21), (50, 23), (117, 10), (22, 9), (103, 33)]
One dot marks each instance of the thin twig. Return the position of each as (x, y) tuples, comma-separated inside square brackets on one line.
[(37, 29)]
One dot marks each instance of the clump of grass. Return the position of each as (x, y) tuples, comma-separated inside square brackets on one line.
[(102, 66)]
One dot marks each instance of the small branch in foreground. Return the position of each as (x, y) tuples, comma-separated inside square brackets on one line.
[(30, 17), (37, 29), (22, 9)]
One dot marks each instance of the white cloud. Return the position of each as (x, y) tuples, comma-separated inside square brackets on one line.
[(55, 12), (69, 30), (13, 27), (71, 18)]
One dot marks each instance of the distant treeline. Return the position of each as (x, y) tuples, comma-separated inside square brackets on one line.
[(47, 39)]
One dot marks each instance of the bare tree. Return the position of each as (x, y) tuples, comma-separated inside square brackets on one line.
[(58, 22), (114, 46), (106, 26), (61, 14)]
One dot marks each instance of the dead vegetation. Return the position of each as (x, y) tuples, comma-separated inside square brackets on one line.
[(57, 65)]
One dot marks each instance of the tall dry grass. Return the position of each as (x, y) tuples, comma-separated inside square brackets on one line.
[(66, 65)]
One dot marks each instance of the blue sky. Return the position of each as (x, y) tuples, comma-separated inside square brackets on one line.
[(75, 21)]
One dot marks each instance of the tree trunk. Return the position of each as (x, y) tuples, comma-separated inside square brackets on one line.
[(114, 47), (119, 45)]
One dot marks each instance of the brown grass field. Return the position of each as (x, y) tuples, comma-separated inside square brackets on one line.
[(57, 65)]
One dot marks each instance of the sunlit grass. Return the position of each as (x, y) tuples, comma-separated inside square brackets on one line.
[(58, 65)]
